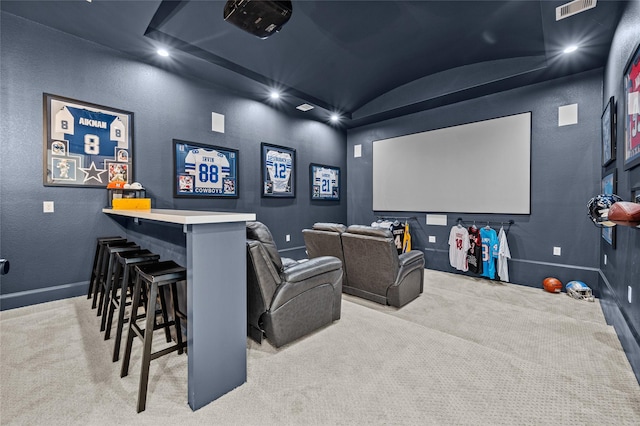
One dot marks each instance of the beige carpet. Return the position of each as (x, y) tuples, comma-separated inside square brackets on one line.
[(466, 352)]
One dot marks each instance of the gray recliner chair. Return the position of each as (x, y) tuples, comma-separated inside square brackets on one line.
[(287, 299), (376, 271), (324, 239)]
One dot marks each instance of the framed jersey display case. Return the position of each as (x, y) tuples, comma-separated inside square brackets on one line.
[(278, 171), (204, 170), (325, 182), (84, 144), (608, 127), (609, 185), (631, 94)]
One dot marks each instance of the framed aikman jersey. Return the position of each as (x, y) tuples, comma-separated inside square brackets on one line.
[(204, 170), (325, 182), (85, 144)]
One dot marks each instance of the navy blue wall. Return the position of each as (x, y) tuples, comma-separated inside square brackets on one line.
[(622, 269), (565, 173), (51, 254)]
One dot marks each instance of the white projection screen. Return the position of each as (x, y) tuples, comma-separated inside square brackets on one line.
[(481, 167)]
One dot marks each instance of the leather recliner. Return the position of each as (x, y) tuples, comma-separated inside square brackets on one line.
[(324, 239), (376, 271), (287, 299)]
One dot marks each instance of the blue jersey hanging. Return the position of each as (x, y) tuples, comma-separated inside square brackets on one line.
[(490, 243)]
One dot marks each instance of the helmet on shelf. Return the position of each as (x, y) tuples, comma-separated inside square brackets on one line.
[(598, 209), (552, 285), (116, 184), (579, 290)]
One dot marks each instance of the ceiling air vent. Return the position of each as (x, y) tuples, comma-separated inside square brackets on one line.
[(571, 8)]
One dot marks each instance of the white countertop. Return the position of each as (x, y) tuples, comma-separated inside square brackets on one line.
[(184, 217)]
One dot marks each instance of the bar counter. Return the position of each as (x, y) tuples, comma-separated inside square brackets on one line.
[(212, 247)]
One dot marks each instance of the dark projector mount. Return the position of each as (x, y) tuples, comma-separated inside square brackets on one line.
[(262, 18)]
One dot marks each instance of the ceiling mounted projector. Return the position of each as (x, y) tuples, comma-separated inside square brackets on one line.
[(261, 18)]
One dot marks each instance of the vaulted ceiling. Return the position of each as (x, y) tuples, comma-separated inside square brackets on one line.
[(366, 60)]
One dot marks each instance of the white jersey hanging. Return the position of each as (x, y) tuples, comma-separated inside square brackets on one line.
[(458, 246), (503, 255)]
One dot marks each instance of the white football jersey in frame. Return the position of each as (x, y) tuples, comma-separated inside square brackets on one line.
[(208, 167), (279, 168)]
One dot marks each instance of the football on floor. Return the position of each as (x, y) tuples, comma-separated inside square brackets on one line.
[(552, 285)]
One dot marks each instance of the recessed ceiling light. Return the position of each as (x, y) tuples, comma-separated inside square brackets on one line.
[(570, 49), (163, 52), (275, 95), (335, 117), (304, 107)]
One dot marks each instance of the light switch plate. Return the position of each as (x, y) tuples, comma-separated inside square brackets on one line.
[(47, 206)]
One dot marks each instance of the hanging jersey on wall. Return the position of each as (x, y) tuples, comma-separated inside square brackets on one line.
[(458, 247), (406, 242), (489, 252), (397, 229), (503, 255), (474, 254), (208, 167)]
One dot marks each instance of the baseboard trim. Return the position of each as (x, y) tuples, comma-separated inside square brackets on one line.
[(42, 295), (531, 262), (292, 249), (627, 333)]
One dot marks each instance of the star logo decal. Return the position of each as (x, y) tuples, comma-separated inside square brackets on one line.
[(92, 173)]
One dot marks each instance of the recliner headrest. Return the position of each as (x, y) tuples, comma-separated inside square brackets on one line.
[(332, 227), (258, 231), (369, 230)]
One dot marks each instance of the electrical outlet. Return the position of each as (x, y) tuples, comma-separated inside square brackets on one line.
[(287, 238), (47, 206), (557, 251), (432, 238), (629, 293)]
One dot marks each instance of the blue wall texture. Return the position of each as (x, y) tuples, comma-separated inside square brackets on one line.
[(565, 173), (51, 254), (622, 269)]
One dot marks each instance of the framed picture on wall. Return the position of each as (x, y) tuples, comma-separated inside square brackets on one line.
[(84, 144), (631, 93), (607, 123), (609, 184), (635, 193), (325, 182), (201, 171), (278, 171)]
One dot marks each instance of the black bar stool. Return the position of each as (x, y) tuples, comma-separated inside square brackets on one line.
[(107, 282), (97, 259), (153, 275), (101, 268), (125, 275)]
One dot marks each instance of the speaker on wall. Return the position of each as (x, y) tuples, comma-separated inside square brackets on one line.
[(261, 18)]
